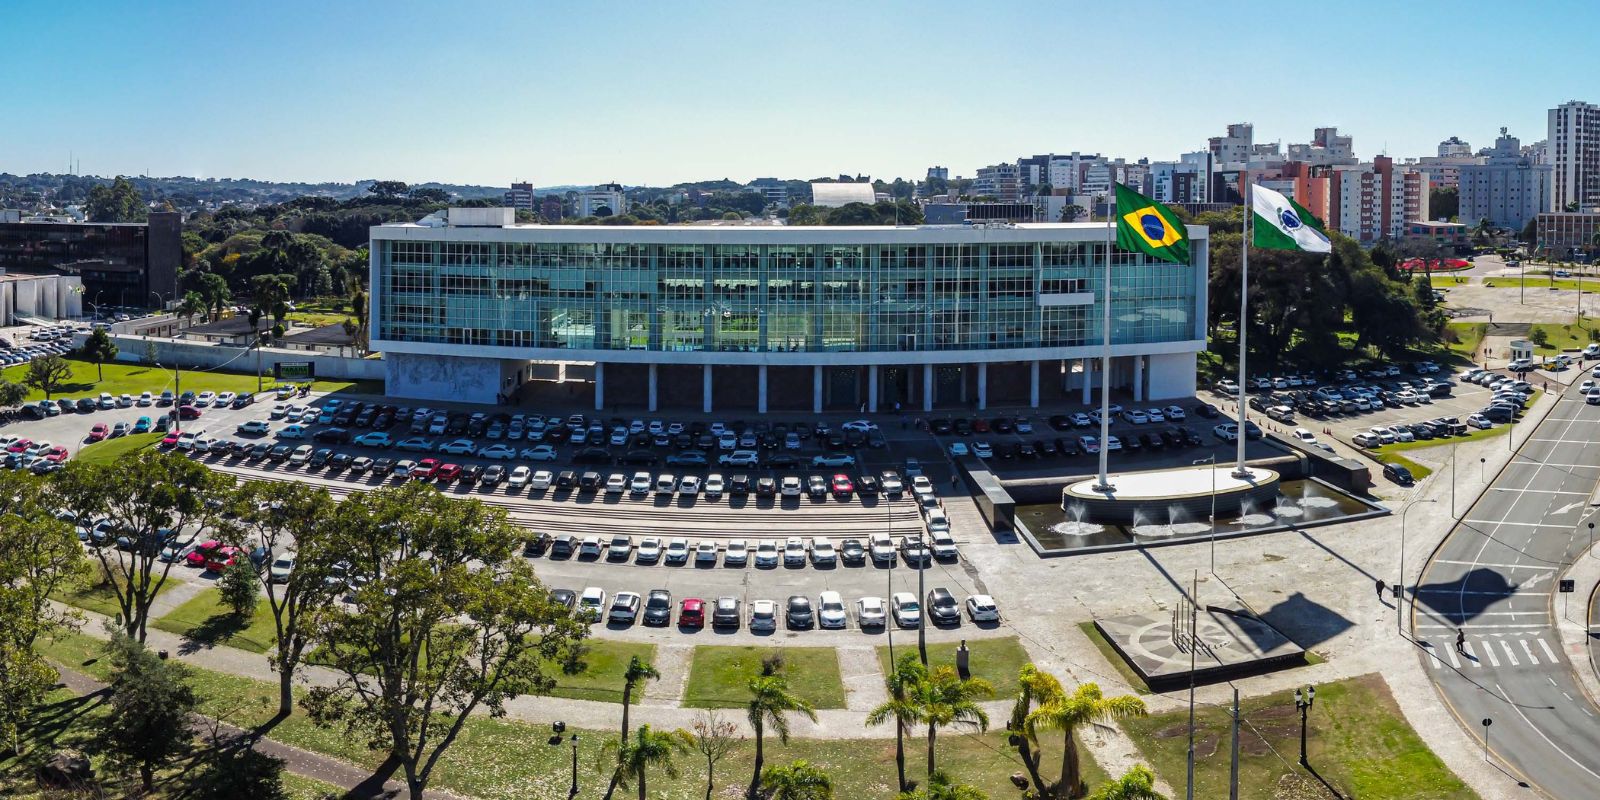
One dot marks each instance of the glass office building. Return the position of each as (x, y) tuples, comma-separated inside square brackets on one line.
[(818, 317)]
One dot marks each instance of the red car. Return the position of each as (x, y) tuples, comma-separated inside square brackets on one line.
[(980, 426), (842, 485), (425, 469), (692, 613), (56, 454), (170, 439), (99, 432), (448, 472), (222, 558), (188, 412), (19, 445), (201, 553)]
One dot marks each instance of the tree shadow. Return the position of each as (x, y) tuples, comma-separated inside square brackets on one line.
[(374, 785), (1304, 621), (1457, 601), (212, 632), (50, 721)]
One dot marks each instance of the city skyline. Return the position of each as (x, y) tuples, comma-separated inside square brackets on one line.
[(655, 96)]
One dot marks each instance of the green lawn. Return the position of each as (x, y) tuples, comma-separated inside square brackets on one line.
[(114, 449), (1448, 281), (1358, 742), (206, 620), (503, 758), (1473, 434), (101, 598), (1564, 337), (1533, 282), (995, 660), (1418, 471), (125, 378), (1464, 338), (605, 662), (718, 675)]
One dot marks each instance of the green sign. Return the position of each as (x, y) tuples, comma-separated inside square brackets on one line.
[(294, 370)]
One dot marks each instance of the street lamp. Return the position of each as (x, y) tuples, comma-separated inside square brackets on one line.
[(1212, 460), (1400, 599), (1303, 704), (573, 792)]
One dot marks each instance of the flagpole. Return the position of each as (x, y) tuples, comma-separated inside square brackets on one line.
[(1240, 471), (1105, 359)]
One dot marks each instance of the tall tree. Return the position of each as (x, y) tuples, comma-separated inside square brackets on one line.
[(279, 516), (148, 725), (1135, 784), (770, 703), (12, 394), (99, 348), (638, 671), (214, 289), (631, 760), (1035, 687), (119, 202), (38, 555), (148, 499), (715, 737), (900, 708), (946, 699), (48, 374), (1069, 712), (271, 294), (429, 641), (797, 780), (189, 305), (388, 188)]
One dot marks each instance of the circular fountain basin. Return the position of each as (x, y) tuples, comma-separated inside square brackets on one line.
[(1162, 496)]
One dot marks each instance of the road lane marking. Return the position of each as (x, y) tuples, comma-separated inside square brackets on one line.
[(1546, 739), (1518, 626), (1516, 524), (1451, 654), (1529, 651), (1488, 652), (1548, 651), (1536, 491), (1498, 566), (1433, 657), (1472, 658), (1510, 656)]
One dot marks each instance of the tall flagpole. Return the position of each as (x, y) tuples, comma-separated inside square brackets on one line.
[(1239, 470), (1105, 357)]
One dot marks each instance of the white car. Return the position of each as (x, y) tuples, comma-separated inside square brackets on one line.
[(292, 432), (882, 548), (763, 615), (616, 483), (982, 450), (145, 399), (830, 610), (789, 486), (981, 608), (1175, 413), (519, 476), (458, 447), (541, 479), (666, 483), (205, 398), (859, 425), (689, 486), (224, 399), (1113, 444), (624, 608), (822, 552), (715, 486), (1227, 432), (1089, 444), (640, 484), (1592, 397), (620, 548), (794, 552), (589, 547), (907, 611), (1305, 436), (373, 439), (944, 545), (767, 553), (677, 550), (541, 452), (649, 550), (870, 613), (282, 566), (591, 604), (1155, 415), (705, 552), (495, 452), (1135, 417), (1479, 421), (301, 454), (958, 449), (1384, 435), (736, 553)]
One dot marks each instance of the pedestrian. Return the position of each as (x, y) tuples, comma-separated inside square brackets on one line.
[(1461, 640), (955, 480), (1381, 587)]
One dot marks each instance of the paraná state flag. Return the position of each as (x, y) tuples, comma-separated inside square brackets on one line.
[(1283, 224), (1145, 226)]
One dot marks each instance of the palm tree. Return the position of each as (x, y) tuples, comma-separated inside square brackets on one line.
[(1066, 713), (1484, 229), (946, 699), (1135, 784), (191, 304), (797, 780), (900, 708), (638, 670), (632, 760), (942, 787), (770, 703), (1035, 688)]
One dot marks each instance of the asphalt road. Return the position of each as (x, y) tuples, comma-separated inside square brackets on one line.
[(1494, 580)]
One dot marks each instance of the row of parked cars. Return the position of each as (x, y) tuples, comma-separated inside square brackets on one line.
[(1310, 379), (798, 612), (12, 356), (1023, 426), (919, 548)]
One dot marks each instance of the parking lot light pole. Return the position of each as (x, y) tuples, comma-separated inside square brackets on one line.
[(1212, 460), (573, 792), (1400, 598), (1303, 704), (888, 625)]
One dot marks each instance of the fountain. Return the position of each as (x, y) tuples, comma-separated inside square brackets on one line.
[(1138, 497)]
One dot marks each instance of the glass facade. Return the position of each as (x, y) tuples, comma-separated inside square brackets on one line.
[(906, 297), (120, 263)]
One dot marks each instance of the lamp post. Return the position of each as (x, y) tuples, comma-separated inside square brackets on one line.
[(1212, 460), (573, 792), (1303, 704), (888, 628), (1400, 584), (96, 303)]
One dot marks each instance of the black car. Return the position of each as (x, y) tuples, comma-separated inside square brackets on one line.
[(565, 597), (244, 399), (470, 474), (799, 612), (658, 607), (739, 485), (942, 607), (783, 461), (383, 466), (536, 545), (320, 458), (766, 487), (851, 551), (241, 449), (941, 427), (1131, 444), (260, 450), (725, 613), (1207, 411), (340, 461), (867, 485), (490, 477), (1001, 425), (817, 487), (566, 479), (1046, 448), (279, 452), (1060, 422), (588, 482), (1027, 450), (592, 455), (1398, 474), (1151, 442), (563, 546), (86, 405), (1067, 448), (331, 436)]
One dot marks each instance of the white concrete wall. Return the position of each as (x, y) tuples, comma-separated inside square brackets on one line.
[(198, 355), (445, 378), (1170, 376)]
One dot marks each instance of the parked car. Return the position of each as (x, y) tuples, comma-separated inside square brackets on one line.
[(907, 612), (982, 608)]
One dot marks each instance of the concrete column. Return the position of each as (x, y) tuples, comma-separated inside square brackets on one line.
[(983, 385), (872, 388), (927, 387), (816, 389), (1033, 384), (761, 388), (653, 379), (1138, 378), (599, 386), (705, 396), (1088, 377)]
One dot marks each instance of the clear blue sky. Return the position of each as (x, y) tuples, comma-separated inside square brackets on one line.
[(645, 92)]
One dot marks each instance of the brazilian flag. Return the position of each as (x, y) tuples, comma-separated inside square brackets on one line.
[(1145, 226)]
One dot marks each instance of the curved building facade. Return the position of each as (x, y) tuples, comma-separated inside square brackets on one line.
[(773, 316)]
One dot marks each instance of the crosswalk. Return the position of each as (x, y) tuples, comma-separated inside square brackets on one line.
[(1494, 651)]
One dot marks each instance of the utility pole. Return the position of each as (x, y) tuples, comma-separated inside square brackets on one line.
[(1233, 759), (1194, 640)]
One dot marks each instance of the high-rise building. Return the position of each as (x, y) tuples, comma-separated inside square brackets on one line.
[(939, 173), (1575, 154), (775, 191), (519, 197), (1003, 182), (1236, 146), (605, 200), (1326, 148), (1375, 201), (1454, 147), (1508, 189)]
